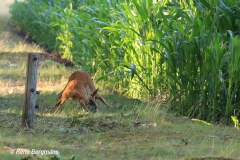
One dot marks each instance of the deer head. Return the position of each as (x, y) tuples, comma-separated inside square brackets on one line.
[(90, 100)]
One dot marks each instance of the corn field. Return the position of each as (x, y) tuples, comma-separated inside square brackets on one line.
[(189, 49)]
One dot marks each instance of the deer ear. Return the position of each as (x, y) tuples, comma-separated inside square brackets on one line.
[(88, 90), (95, 92)]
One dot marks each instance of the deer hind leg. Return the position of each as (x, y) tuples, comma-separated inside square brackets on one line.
[(83, 105), (60, 105)]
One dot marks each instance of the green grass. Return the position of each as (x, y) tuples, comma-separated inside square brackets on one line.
[(130, 130)]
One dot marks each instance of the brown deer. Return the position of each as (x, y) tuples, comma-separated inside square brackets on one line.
[(76, 90), (87, 80)]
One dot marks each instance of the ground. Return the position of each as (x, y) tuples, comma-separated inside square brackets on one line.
[(24, 41), (130, 130)]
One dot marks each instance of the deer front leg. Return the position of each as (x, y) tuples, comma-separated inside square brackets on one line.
[(95, 104), (83, 105)]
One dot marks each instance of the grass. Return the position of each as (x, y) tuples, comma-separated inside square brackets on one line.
[(9, 40), (130, 130)]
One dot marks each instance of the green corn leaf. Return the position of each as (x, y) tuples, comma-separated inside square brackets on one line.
[(202, 121), (235, 121), (103, 77), (133, 70), (205, 4), (142, 13)]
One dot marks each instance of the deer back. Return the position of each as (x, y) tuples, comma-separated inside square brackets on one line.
[(84, 77)]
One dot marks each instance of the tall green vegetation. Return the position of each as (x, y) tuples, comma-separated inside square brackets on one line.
[(144, 47)]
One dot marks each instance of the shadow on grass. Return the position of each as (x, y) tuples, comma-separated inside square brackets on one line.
[(71, 129), (65, 130), (120, 132)]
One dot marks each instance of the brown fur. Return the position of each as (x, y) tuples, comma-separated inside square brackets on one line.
[(76, 90), (87, 80)]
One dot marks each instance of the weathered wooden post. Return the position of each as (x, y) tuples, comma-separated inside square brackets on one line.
[(30, 90)]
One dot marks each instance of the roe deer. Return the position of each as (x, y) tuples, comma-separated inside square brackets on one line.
[(87, 80), (76, 90)]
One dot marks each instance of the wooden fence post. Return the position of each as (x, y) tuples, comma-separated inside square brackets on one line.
[(30, 90)]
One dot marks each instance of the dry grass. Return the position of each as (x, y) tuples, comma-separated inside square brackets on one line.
[(13, 57), (9, 41), (4, 5)]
